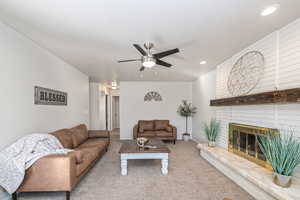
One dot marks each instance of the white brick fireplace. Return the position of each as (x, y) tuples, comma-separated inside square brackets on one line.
[(281, 50)]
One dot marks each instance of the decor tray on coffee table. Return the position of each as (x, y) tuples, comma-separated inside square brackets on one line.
[(131, 151)]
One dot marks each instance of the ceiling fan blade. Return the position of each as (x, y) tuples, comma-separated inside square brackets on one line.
[(142, 68), (166, 53), (140, 49), (163, 63), (131, 60)]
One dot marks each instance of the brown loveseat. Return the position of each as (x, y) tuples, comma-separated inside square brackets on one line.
[(160, 129), (63, 172)]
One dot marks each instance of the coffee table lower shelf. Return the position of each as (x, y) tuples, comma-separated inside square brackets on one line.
[(164, 157)]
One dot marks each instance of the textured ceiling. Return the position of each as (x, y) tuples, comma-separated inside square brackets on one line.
[(93, 35)]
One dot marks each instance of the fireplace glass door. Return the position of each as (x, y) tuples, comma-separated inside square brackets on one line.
[(252, 145), (243, 141)]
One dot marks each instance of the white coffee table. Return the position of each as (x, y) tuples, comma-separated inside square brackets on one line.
[(130, 151)]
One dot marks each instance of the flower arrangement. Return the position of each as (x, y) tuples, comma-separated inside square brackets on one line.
[(282, 151)]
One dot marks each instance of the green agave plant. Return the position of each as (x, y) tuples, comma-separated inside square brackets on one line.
[(212, 130), (282, 151)]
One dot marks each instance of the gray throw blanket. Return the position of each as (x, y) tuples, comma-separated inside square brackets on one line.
[(18, 157)]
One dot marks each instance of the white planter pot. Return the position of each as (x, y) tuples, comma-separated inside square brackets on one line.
[(282, 180), (211, 143), (186, 138)]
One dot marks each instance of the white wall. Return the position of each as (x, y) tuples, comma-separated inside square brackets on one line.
[(133, 107), (204, 89), (114, 92), (24, 65), (115, 112), (282, 70), (97, 106), (94, 106)]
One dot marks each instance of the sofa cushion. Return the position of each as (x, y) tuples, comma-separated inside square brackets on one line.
[(78, 155), (147, 134), (79, 135), (100, 143), (89, 155), (161, 124), (98, 133), (65, 138), (164, 134), (141, 130), (169, 129), (146, 125)]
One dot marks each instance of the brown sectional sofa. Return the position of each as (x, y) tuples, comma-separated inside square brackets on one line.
[(160, 129), (63, 172)]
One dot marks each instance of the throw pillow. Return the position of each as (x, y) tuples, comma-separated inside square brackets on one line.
[(79, 135), (161, 125), (65, 138), (146, 125)]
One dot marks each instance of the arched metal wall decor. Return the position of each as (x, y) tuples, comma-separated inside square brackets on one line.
[(155, 96), (246, 73)]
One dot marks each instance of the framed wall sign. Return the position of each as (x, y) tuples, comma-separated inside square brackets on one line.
[(45, 96)]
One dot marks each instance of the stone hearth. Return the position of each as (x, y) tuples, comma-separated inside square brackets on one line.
[(253, 178)]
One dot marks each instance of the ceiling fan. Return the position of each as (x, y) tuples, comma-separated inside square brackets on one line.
[(148, 59)]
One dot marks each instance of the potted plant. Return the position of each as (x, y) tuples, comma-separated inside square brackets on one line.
[(186, 110), (282, 151), (212, 131)]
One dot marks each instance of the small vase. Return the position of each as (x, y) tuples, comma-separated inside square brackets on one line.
[(211, 143), (186, 138), (282, 180)]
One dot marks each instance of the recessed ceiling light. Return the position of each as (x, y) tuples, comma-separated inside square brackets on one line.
[(270, 10), (203, 62)]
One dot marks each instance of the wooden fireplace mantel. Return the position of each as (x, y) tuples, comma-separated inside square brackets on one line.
[(276, 96)]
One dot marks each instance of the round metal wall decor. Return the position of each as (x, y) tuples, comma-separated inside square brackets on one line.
[(246, 73), (152, 96)]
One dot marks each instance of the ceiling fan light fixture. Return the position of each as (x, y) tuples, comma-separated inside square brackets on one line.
[(148, 64), (148, 61), (114, 85)]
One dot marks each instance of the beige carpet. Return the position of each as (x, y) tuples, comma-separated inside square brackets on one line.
[(190, 178)]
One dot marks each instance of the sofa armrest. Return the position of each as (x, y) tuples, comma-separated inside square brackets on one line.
[(174, 131), (99, 134), (51, 173), (135, 131)]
